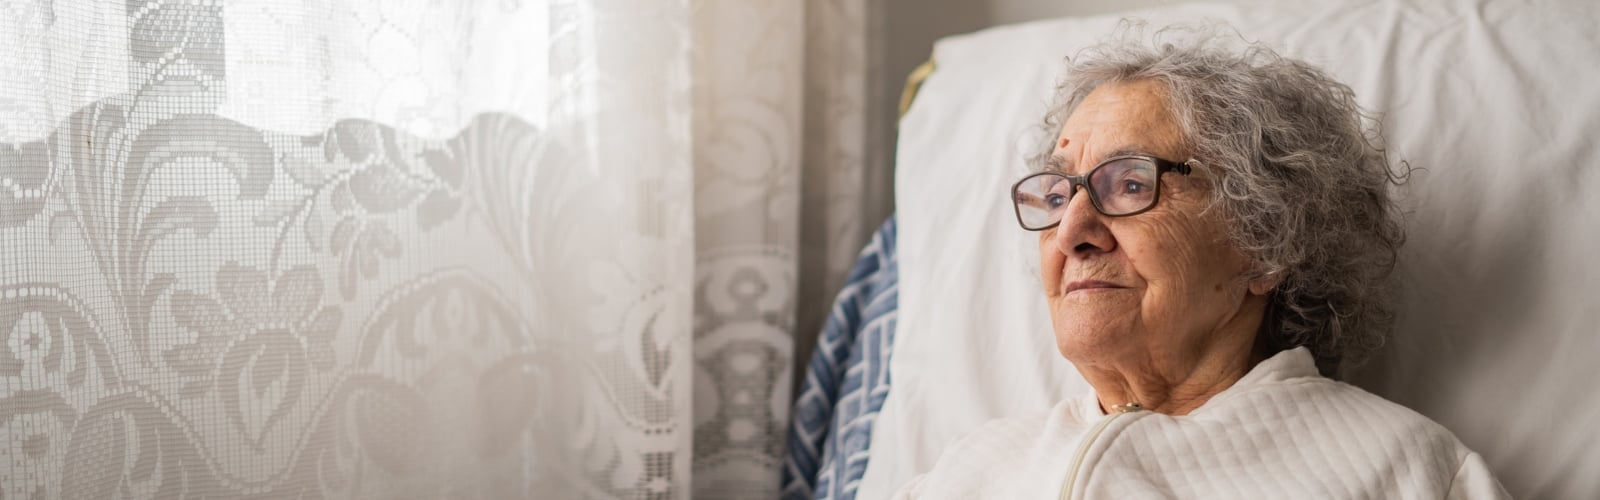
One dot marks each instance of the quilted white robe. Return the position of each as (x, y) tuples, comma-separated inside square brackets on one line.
[(1281, 431)]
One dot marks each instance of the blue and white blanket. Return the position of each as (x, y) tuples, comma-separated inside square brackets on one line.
[(847, 381)]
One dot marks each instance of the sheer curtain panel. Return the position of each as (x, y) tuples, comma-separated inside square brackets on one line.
[(419, 248)]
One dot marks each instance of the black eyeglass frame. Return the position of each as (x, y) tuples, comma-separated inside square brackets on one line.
[(1074, 181)]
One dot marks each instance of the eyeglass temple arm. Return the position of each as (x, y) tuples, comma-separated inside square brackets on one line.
[(1181, 168)]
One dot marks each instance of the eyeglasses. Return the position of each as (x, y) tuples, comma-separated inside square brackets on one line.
[(1118, 187)]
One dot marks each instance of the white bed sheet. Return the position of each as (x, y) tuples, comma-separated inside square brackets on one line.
[(1497, 103)]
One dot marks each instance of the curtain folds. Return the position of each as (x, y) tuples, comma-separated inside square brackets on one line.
[(409, 248)]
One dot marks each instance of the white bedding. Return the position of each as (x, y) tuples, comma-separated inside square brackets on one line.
[(1496, 102)]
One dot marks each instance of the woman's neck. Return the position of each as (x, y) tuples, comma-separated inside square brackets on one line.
[(1174, 380)]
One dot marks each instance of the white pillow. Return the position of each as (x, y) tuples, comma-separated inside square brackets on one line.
[(1497, 102)]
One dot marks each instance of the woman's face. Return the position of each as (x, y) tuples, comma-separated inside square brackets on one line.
[(1161, 287)]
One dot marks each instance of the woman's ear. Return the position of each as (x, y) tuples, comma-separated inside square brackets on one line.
[(1265, 283)]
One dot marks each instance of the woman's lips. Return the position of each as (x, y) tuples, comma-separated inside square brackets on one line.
[(1091, 286)]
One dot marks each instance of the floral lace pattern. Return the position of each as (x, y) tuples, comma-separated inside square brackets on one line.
[(396, 249)]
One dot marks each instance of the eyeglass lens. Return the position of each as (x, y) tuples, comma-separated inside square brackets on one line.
[(1118, 187)]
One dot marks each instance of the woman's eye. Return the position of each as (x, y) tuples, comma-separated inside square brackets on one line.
[(1055, 200), (1133, 187)]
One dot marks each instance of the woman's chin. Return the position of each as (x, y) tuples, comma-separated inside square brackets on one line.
[(1080, 344), (1098, 307)]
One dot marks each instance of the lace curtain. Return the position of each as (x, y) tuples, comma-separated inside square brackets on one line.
[(416, 248)]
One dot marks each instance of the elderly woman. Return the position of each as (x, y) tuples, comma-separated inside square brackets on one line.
[(1216, 237)]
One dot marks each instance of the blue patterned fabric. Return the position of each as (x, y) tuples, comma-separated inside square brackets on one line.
[(847, 380)]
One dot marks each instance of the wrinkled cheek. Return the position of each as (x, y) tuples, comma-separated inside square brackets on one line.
[(1050, 267)]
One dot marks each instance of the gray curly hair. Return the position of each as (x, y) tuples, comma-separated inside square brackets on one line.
[(1296, 171)]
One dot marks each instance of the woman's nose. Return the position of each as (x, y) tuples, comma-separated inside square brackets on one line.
[(1083, 231)]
